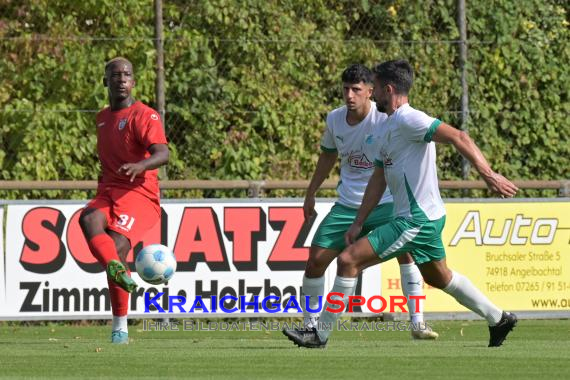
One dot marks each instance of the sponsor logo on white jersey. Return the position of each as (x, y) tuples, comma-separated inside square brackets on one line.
[(359, 160)]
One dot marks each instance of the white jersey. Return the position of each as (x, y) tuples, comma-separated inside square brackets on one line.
[(356, 146), (408, 157)]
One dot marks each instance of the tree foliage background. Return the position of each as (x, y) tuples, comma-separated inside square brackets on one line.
[(249, 82)]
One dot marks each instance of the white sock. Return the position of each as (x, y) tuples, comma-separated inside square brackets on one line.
[(412, 282), (327, 322), (469, 296), (313, 287), (120, 323)]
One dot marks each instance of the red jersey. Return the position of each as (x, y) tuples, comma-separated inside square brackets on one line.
[(124, 136)]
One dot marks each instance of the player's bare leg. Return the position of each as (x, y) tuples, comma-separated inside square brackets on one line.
[(314, 282), (412, 285), (437, 274), (92, 222)]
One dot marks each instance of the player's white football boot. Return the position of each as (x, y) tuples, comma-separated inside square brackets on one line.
[(424, 332)]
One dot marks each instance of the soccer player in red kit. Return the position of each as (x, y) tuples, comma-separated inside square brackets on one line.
[(131, 145)]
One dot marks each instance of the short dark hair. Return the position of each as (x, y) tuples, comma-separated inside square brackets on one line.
[(114, 60), (357, 73), (398, 73)]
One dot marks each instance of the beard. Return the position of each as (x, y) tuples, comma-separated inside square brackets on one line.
[(121, 95), (381, 107)]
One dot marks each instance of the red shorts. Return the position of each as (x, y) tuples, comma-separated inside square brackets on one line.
[(128, 212)]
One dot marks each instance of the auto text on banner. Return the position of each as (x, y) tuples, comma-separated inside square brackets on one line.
[(516, 253), (251, 248)]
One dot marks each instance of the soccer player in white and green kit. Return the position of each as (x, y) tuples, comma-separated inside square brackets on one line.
[(406, 163), (351, 134)]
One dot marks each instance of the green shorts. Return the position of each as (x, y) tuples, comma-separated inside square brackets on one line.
[(421, 238), (330, 233)]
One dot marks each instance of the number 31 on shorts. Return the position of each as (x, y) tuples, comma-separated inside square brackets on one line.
[(125, 222)]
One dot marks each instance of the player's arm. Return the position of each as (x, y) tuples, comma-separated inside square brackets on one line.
[(325, 164), (372, 195), (159, 155), (466, 146)]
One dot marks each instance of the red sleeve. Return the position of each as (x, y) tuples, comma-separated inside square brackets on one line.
[(149, 128), (99, 118)]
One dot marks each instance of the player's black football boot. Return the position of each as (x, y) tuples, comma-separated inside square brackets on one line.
[(305, 338), (499, 332)]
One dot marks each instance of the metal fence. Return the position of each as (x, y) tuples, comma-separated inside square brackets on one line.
[(158, 49)]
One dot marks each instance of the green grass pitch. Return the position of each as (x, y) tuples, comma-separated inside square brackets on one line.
[(537, 349)]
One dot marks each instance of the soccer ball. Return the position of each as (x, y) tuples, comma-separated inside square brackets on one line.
[(156, 264)]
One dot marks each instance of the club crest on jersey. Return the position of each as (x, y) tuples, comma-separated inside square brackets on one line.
[(387, 161), (122, 124), (360, 161)]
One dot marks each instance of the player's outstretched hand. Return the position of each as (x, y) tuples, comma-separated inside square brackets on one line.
[(352, 234), (500, 185), (131, 170), (308, 207)]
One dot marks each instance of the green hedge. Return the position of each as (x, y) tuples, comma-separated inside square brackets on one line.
[(249, 82)]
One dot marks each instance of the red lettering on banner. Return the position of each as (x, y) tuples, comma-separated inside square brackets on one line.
[(78, 247), (289, 252), (244, 226), (199, 240), (43, 250)]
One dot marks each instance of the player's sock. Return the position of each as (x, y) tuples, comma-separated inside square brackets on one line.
[(469, 296), (346, 286), (120, 323), (412, 282), (312, 287), (103, 249), (119, 299)]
